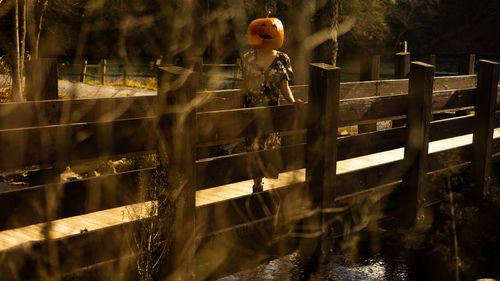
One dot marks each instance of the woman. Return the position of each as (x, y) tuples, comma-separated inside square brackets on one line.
[(266, 73)]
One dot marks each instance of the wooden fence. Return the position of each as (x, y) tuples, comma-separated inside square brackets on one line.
[(222, 237), (81, 71)]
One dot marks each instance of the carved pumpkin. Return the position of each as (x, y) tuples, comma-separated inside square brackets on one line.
[(266, 33)]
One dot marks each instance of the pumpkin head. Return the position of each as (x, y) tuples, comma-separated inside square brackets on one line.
[(266, 33)]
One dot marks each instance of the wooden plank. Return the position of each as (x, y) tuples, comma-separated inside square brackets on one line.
[(362, 179), (369, 70), (419, 119), (321, 157), (41, 80), (369, 143), (289, 203), (22, 207), (63, 144), (29, 261), (238, 167), (176, 146), (249, 122), (484, 123), (466, 64), (44, 113), (229, 99), (402, 65), (359, 111)]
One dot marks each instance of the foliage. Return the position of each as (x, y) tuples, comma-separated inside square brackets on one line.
[(371, 31)]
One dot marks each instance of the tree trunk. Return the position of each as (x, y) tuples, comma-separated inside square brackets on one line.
[(327, 16), (41, 11), (16, 73), (260, 9)]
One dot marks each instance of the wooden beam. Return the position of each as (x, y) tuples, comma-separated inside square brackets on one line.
[(230, 124), (484, 123), (401, 65), (58, 112), (41, 80), (369, 70), (466, 64), (419, 119), (238, 167), (64, 144), (176, 146), (22, 207)]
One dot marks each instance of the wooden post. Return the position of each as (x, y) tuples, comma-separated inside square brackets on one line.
[(484, 123), (177, 122), (236, 72), (321, 156), (42, 80), (125, 65), (103, 71), (401, 70), (369, 70), (402, 62), (83, 70), (430, 59), (466, 64), (415, 156)]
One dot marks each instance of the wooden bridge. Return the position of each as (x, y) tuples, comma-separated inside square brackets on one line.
[(111, 227)]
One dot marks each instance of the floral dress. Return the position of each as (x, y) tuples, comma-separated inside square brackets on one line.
[(264, 90)]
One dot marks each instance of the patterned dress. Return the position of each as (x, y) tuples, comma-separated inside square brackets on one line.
[(264, 90)]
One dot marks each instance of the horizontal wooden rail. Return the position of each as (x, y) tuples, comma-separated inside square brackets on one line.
[(59, 112), (230, 124), (374, 142), (238, 167), (62, 144), (26, 206), (359, 111)]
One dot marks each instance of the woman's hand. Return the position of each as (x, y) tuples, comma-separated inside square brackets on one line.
[(299, 102)]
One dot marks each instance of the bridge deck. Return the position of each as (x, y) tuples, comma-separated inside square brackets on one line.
[(96, 220)]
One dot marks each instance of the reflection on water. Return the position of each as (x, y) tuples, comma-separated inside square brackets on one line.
[(288, 268)]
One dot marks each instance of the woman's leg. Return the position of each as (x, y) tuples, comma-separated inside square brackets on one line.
[(257, 185)]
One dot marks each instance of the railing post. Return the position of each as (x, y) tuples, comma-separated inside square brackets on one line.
[(236, 72), (430, 59), (103, 71), (402, 62), (484, 124), (321, 156), (466, 64), (42, 80), (369, 70), (415, 155), (125, 65), (177, 134), (83, 70)]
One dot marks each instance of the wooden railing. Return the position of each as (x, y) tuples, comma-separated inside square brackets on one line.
[(81, 71), (244, 230)]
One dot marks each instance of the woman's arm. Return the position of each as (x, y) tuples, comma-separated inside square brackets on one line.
[(287, 93), (243, 90)]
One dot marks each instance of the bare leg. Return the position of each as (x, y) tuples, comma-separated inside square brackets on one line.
[(257, 185)]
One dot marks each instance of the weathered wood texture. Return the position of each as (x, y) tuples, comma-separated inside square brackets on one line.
[(41, 80), (419, 119), (28, 205), (401, 65), (369, 70), (45, 113), (484, 123), (63, 144), (466, 64), (176, 146)]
